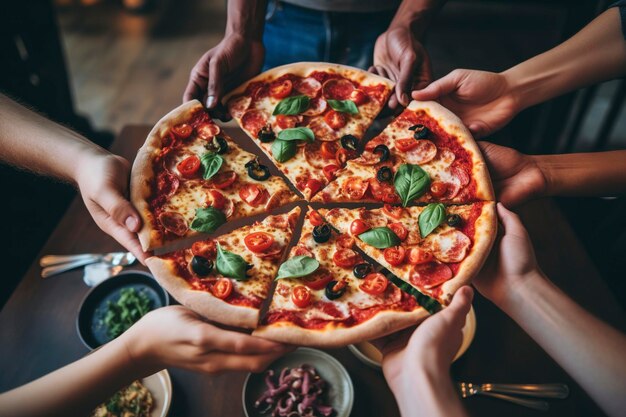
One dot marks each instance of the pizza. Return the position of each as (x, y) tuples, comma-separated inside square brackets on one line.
[(327, 295), (424, 155), (435, 248), (309, 118), (189, 177), (226, 279)]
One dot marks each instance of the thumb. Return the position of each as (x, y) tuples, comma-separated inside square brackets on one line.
[(437, 89), (119, 208), (460, 306), (511, 222)]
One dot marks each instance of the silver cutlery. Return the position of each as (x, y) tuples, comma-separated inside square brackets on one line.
[(502, 391), (55, 264)]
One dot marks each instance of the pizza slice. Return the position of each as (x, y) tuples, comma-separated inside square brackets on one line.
[(326, 295), (226, 279), (425, 154), (309, 118), (436, 249), (189, 177)]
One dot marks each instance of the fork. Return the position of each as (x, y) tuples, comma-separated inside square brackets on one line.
[(55, 264), (468, 389)]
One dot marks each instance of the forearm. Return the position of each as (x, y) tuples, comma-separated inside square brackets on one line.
[(584, 174), (596, 53), (32, 142), (594, 353), (246, 18), (416, 15)]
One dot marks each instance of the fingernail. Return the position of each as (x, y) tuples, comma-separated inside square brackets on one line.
[(131, 223), (210, 100)]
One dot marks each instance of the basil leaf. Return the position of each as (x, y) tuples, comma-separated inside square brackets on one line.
[(430, 304), (230, 264), (297, 133), (283, 150), (207, 220), (343, 106), (292, 105), (211, 162), (431, 217), (380, 237), (411, 182), (298, 266)]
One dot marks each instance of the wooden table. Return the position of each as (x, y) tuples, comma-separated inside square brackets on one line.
[(38, 331)]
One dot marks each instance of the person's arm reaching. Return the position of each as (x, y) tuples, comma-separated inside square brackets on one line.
[(399, 53), (591, 351), (238, 57), (32, 142)]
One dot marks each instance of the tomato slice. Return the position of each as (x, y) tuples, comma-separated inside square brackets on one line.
[(253, 194), (345, 258), (395, 255), (438, 188), (216, 199), (222, 288), (359, 97), (302, 251), (383, 192), (204, 248), (374, 284), (342, 156), (393, 211), (318, 279), (258, 242), (301, 296), (182, 131), (328, 150), (315, 218), (329, 170), (207, 131), (224, 179), (314, 185), (416, 256), (399, 229), (405, 145), (344, 241), (189, 166), (354, 188), (335, 120), (286, 122), (281, 89), (359, 226)]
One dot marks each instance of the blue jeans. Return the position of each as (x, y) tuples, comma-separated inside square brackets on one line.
[(294, 34)]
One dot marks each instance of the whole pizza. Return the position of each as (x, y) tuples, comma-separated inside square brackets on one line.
[(399, 222)]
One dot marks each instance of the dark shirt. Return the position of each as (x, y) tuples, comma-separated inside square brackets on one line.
[(622, 14)]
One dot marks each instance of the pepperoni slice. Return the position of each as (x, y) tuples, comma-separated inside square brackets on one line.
[(438, 188), (253, 194), (335, 119), (174, 223), (205, 248), (281, 89), (308, 86), (322, 131), (423, 152), (354, 188), (316, 106), (367, 158), (301, 251), (237, 106), (207, 131), (430, 275), (446, 156), (167, 183), (372, 218), (253, 120), (359, 97), (314, 156), (461, 175), (287, 122), (450, 246), (224, 179), (317, 280), (345, 241), (338, 89), (329, 171)]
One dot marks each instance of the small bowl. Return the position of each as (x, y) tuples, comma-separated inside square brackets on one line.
[(340, 393), (369, 355), (94, 306)]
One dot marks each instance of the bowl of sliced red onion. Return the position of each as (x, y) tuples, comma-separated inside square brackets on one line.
[(304, 383)]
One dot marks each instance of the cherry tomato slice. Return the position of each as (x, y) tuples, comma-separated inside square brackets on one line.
[(254, 195), (204, 248), (286, 122), (342, 156), (359, 226), (345, 258), (405, 145), (216, 199), (182, 131), (301, 296), (222, 288), (281, 89), (335, 120), (399, 229), (317, 280), (395, 255), (224, 179), (374, 284), (329, 171), (314, 185), (344, 241), (328, 150), (359, 97), (438, 188), (189, 166), (354, 188), (393, 211), (416, 256), (302, 251), (315, 218), (258, 242)]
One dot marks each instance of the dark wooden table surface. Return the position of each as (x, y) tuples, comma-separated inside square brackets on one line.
[(38, 330)]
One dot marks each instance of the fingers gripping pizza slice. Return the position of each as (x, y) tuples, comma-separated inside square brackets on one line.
[(226, 279), (436, 249), (309, 117), (190, 177), (326, 295)]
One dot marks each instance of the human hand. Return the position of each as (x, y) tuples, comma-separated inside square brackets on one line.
[(176, 336), (483, 100), (516, 177), (234, 60), (102, 179), (399, 56)]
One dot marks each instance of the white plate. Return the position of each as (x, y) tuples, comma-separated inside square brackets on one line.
[(368, 354), (160, 386)]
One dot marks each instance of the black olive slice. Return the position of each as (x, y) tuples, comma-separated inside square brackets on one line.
[(384, 174), (201, 266), (383, 150), (361, 270), (257, 171), (335, 289), (266, 134), (321, 233), (349, 142), (420, 131), (454, 220)]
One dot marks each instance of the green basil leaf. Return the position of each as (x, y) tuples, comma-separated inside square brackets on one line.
[(292, 105), (430, 304), (343, 106), (230, 264), (211, 162), (431, 217), (297, 133), (411, 182), (207, 220), (283, 150), (380, 237), (298, 266)]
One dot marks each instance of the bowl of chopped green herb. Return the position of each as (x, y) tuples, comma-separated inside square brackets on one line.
[(115, 304)]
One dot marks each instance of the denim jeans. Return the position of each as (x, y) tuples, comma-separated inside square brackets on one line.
[(294, 34)]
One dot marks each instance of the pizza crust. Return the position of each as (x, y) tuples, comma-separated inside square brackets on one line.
[(382, 324), (202, 302)]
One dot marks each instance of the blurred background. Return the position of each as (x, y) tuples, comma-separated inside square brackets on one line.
[(98, 65)]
